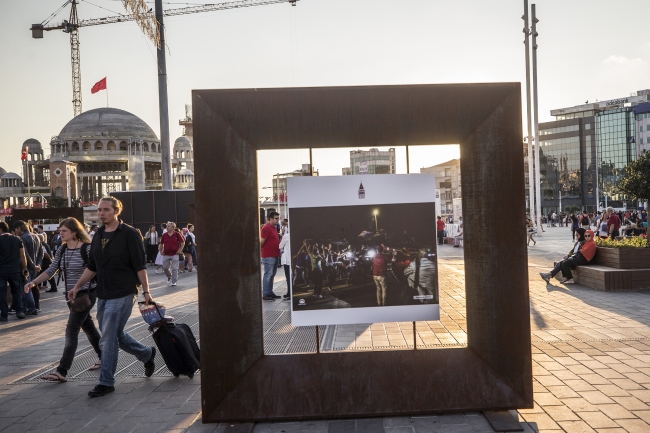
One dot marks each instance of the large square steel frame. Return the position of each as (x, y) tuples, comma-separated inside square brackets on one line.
[(238, 381)]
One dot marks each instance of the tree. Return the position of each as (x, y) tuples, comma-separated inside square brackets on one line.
[(635, 183)]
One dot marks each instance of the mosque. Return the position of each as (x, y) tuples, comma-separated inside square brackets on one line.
[(97, 152)]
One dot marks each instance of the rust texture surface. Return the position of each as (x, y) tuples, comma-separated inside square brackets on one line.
[(238, 381)]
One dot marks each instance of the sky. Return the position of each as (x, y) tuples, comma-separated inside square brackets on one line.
[(588, 50)]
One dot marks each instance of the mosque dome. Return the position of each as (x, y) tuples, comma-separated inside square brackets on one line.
[(185, 172), (182, 142), (11, 176), (107, 122), (33, 144)]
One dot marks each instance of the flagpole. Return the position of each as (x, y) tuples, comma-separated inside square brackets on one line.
[(106, 92)]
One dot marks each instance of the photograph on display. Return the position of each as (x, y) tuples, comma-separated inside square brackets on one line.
[(364, 256)]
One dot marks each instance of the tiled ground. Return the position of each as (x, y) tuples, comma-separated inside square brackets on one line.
[(591, 353)]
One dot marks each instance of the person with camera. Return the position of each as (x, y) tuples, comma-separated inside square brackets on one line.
[(71, 260)]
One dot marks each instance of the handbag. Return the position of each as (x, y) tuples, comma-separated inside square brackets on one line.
[(81, 302)]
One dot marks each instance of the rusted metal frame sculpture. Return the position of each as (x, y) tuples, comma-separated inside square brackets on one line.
[(239, 382)]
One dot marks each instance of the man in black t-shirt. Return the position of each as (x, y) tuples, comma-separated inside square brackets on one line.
[(117, 258), (12, 263)]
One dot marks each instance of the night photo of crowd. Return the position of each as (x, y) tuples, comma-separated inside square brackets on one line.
[(363, 256)]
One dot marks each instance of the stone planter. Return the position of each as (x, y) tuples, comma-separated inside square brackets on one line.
[(623, 258)]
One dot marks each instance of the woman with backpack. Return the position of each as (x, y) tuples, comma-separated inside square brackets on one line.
[(71, 260)]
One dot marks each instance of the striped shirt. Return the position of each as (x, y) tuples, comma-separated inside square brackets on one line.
[(74, 266)]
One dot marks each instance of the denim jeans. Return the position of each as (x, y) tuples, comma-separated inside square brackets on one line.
[(270, 268), (193, 250), (77, 321), (112, 315), (14, 280)]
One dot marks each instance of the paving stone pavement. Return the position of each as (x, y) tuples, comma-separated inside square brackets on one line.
[(590, 363)]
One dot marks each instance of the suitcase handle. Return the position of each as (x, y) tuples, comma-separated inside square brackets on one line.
[(164, 323)]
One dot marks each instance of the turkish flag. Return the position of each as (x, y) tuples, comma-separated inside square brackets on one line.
[(23, 156), (100, 85)]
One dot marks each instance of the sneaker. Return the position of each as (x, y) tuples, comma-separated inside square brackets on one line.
[(545, 277), (11, 311), (286, 298), (38, 310), (173, 284), (51, 291), (569, 281), (157, 271), (33, 313), (169, 280), (20, 315), (150, 366), (268, 298), (276, 296), (101, 390)]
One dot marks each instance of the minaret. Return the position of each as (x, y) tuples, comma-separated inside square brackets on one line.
[(362, 192)]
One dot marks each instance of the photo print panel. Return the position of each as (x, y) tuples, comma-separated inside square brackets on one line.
[(363, 249)]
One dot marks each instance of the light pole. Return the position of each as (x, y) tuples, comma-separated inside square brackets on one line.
[(375, 212)]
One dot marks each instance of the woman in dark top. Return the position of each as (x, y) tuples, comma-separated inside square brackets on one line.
[(71, 261)]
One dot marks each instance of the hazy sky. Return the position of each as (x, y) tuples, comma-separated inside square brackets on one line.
[(588, 50)]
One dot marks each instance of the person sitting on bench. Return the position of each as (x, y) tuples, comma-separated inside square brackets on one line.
[(580, 232)]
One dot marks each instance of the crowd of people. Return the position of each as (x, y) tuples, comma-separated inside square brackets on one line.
[(319, 265), (607, 224), (102, 266)]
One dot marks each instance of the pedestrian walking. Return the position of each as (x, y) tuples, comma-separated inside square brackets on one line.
[(270, 252), (117, 259), (34, 256), (13, 264), (151, 240), (440, 229), (71, 260), (171, 245)]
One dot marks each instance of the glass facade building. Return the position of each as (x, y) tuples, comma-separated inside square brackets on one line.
[(615, 132), (584, 152)]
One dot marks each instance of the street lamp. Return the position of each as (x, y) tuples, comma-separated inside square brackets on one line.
[(375, 212)]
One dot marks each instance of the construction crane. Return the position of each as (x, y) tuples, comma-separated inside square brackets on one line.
[(73, 24)]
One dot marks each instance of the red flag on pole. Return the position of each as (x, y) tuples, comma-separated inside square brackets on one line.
[(23, 155), (100, 85)]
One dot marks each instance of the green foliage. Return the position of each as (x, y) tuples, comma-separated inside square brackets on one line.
[(635, 183), (635, 242)]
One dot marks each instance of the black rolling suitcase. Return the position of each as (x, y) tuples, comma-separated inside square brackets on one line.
[(178, 348)]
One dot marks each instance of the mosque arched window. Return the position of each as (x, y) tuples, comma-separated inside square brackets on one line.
[(99, 145), (124, 145), (145, 146), (111, 145), (86, 145), (75, 146)]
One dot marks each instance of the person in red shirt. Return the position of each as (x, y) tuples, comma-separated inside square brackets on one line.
[(613, 223), (379, 269), (270, 245), (171, 245), (440, 227)]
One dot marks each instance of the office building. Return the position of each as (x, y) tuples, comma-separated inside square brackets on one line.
[(373, 161), (447, 183), (584, 151)]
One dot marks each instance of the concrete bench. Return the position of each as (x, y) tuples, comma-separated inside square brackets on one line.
[(611, 279)]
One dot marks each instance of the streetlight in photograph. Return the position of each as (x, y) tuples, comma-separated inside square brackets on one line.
[(375, 212)]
